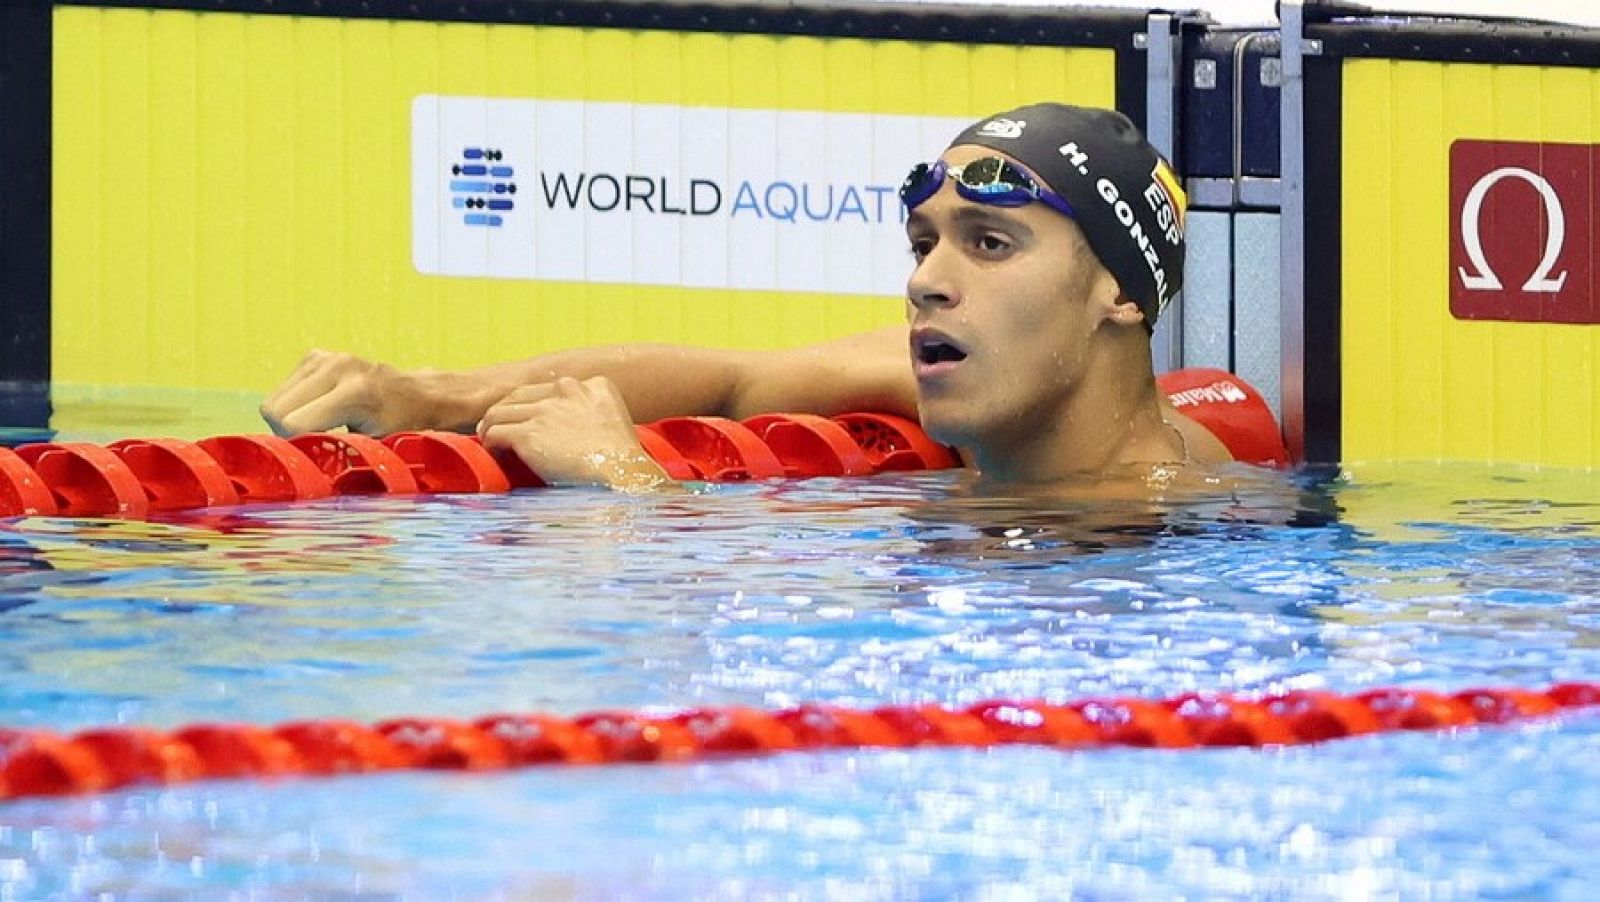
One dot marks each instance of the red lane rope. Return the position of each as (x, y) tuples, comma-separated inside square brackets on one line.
[(134, 478), (43, 763)]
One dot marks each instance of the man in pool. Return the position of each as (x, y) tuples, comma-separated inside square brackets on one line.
[(1047, 240)]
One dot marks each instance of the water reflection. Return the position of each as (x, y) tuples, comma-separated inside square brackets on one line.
[(903, 589), (906, 588), (22, 571), (1474, 546)]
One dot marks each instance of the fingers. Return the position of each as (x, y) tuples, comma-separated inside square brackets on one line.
[(502, 437), (517, 406), (565, 431), (287, 415), (571, 433), (311, 361), (505, 413), (343, 405), (283, 399), (325, 391), (537, 391), (587, 399)]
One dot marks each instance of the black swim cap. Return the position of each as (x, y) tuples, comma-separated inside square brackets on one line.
[(1129, 203)]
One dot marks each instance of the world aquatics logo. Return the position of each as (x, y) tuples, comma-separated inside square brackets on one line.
[(482, 187)]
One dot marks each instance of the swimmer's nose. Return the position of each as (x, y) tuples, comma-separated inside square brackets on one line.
[(931, 285)]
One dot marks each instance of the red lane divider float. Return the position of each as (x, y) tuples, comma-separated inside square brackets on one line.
[(719, 449), (134, 477), (22, 491), (267, 468), (176, 475), (446, 462), (664, 453), (87, 480), (357, 464), (896, 443), (812, 445), (42, 763)]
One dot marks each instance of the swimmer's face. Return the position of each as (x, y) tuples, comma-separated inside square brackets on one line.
[(1002, 306)]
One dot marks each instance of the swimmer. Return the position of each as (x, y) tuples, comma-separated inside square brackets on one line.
[(1046, 240)]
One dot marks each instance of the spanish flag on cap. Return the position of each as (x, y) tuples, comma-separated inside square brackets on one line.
[(1163, 176)]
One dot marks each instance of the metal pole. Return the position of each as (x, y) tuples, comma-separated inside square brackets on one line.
[(1292, 227), (1162, 54)]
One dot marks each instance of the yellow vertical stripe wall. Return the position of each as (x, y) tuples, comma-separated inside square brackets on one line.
[(1418, 384), (231, 190)]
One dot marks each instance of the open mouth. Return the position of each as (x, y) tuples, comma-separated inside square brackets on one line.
[(933, 349)]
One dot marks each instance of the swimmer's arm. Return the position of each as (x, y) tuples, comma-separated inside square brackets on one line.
[(869, 371), (330, 390)]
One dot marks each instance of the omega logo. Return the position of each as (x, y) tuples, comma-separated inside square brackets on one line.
[(1523, 220), (1483, 278)]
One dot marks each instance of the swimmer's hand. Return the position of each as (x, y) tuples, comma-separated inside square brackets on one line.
[(329, 390), (573, 433)]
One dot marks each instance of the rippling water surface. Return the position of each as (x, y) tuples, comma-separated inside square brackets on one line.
[(860, 592)]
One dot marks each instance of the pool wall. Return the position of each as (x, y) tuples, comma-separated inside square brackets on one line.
[(234, 184), (1449, 228)]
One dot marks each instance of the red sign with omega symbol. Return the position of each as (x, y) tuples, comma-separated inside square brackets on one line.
[(1522, 231)]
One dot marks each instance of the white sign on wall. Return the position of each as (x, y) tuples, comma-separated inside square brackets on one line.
[(653, 194)]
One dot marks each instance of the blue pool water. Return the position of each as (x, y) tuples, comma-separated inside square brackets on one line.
[(895, 589)]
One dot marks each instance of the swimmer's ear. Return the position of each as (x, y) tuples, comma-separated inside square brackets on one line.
[(1109, 300), (1125, 312)]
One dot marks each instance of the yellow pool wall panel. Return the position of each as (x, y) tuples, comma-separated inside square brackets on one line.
[(1417, 383), (231, 190)]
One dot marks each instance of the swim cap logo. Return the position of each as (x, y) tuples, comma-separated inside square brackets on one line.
[(1167, 201), (1514, 206), (1002, 128)]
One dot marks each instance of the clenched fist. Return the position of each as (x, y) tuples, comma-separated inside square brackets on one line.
[(329, 390), (572, 433)]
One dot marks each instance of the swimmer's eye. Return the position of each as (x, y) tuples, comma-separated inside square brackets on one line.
[(988, 244), (992, 244)]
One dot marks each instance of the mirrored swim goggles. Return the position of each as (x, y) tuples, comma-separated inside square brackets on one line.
[(986, 180)]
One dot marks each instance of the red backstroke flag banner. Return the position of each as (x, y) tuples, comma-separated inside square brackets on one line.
[(1522, 231)]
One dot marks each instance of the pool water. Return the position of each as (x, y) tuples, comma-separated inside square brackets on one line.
[(884, 590)]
